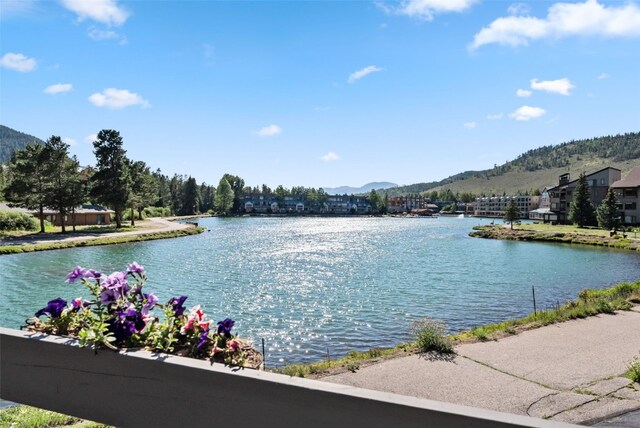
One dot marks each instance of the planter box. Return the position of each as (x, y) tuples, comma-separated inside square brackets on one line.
[(143, 389)]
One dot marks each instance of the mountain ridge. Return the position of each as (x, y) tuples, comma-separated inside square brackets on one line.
[(12, 140)]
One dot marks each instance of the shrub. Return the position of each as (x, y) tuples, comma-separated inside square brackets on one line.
[(430, 336), (634, 370), (157, 212), (11, 220)]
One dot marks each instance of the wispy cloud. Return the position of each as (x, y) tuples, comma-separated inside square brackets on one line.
[(16, 6), (560, 86), (496, 116), (426, 9), (603, 76), (269, 131), (526, 113), (523, 93), (357, 75), (115, 99), (90, 138), (58, 88), (69, 141), (330, 157), (470, 125), (104, 11), (99, 35), (18, 62), (589, 18)]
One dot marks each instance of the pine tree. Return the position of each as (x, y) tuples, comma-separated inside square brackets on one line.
[(512, 213), (607, 212), (582, 212)]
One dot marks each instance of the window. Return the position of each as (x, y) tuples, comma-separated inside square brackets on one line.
[(100, 219), (630, 206), (602, 181)]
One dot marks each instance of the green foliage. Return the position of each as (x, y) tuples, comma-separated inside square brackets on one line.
[(11, 220), (512, 213), (607, 212), (12, 140), (143, 188), (634, 370), (111, 183), (32, 417), (582, 212), (156, 212), (237, 186), (224, 197), (431, 336)]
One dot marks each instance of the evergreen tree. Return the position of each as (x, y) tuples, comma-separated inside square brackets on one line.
[(191, 197), (111, 183), (512, 213), (582, 212), (224, 197), (376, 202), (608, 213), (143, 188), (28, 180)]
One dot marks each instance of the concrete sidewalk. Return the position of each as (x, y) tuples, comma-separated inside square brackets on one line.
[(570, 372)]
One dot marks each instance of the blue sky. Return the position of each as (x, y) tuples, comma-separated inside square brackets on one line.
[(320, 93)]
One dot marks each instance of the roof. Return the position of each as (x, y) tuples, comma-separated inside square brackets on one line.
[(85, 209), (586, 176), (5, 207), (631, 180)]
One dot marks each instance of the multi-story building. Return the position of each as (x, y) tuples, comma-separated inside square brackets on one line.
[(495, 206), (627, 192), (561, 195), (407, 203)]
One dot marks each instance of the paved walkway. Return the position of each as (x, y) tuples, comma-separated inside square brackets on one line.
[(150, 225), (570, 372)]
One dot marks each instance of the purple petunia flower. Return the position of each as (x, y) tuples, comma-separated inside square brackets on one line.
[(114, 287), (125, 324), (76, 274), (203, 338), (224, 327), (178, 305), (135, 268), (54, 308), (150, 302), (90, 273)]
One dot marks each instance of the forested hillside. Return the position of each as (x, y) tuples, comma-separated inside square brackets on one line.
[(11, 140), (539, 167)]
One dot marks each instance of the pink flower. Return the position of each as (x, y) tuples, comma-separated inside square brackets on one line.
[(233, 344), (196, 317), (216, 350)]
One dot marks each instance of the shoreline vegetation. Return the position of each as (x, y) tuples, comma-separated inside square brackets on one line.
[(559, 234), (590, 302)]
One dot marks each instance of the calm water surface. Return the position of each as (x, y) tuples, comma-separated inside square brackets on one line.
[(306, 285)]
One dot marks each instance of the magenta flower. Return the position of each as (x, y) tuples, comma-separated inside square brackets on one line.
[(75, 274), (54, 308)]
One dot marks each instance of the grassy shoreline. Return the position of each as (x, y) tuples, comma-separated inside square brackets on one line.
[(109, 240), (589, 303), (567, 235)]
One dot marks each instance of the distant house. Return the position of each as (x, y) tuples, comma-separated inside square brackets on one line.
[(627, 192), (560, 196), (496, 206), (86, 215)]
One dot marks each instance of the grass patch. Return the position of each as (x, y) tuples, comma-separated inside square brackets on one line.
[(28, 248), (431, 336), (634, 370), (32, 417)]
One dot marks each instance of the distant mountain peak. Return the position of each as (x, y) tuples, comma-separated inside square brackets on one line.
[(376, 185)]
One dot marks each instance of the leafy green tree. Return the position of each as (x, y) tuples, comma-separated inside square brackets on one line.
[(582, 212), (376, 201), (191, 197), (176, 188), (608, 213), (237, 185), (143, 188), (28, 180), (224, 197), (64, 190), (207, 197), (512, 213), (111, 183)]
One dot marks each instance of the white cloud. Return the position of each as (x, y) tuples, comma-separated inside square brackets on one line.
[(69, 141), (357, 75), (18, 62), (589, 18), (603, 76), (560, 86), (58, 88), (117, 99), (330, 157), (470, 125), (269, 131), (427, 9), (526, 113), (496, 116), (90, 138), (98, 35), (523, 93), (519, 9), (104, 11), (16, 6)]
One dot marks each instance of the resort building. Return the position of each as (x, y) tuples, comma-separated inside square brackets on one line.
[(409, 203), (495, 206), (627, 192), (560, 196)]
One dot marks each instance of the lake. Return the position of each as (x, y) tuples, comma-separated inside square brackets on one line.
[(309, 286)]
